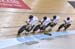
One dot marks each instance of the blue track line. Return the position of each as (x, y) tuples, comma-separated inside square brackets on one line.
[(20, 40)]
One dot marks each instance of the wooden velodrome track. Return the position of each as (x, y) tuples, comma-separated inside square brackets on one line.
[(12, 19)]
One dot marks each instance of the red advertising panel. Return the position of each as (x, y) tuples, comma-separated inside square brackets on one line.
[(13, 4)]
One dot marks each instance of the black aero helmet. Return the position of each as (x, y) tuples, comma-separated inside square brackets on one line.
[(68, 18), (54, 17), (44, 17), (30, 16)]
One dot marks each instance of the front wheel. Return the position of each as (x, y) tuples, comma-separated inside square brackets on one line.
[(21, 29)]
